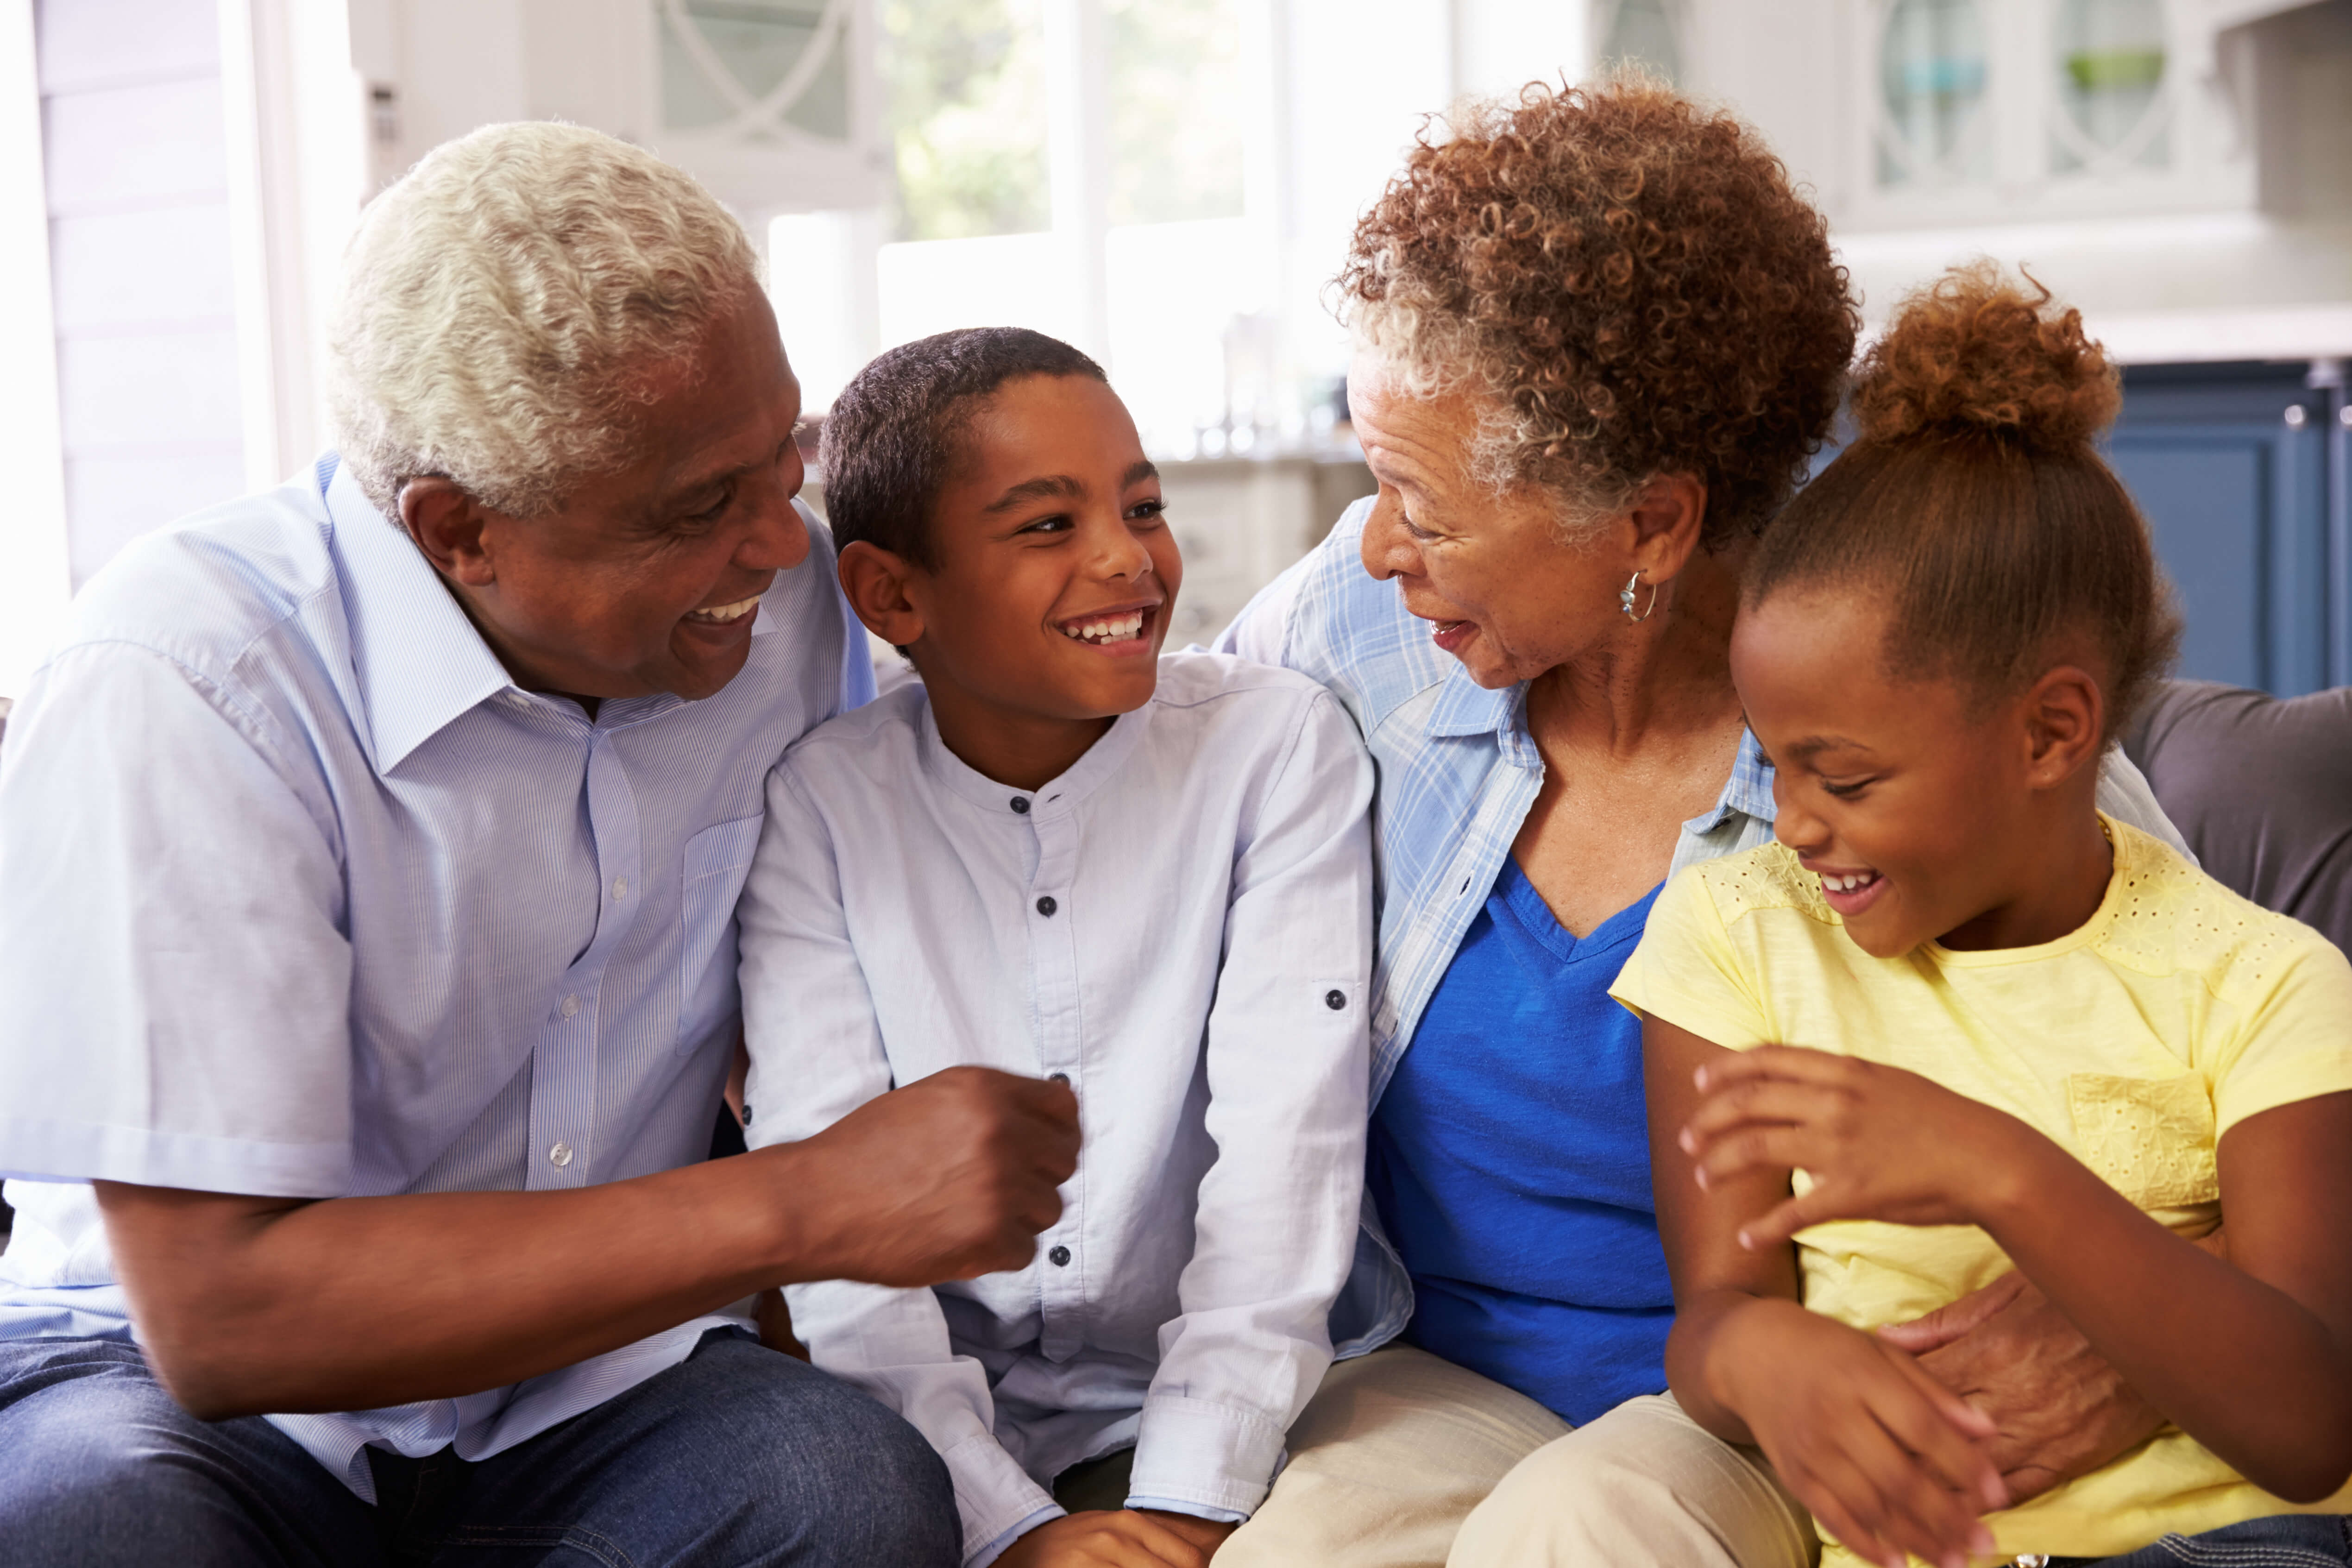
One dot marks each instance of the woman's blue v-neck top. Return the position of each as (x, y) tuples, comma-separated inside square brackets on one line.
[(1511, 1168)]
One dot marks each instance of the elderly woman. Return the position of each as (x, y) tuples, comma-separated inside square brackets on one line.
[(1600, 337)]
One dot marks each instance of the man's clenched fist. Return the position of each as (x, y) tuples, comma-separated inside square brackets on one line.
[(949, 1178)]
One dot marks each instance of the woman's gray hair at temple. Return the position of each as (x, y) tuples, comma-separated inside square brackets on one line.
[(512, 303)]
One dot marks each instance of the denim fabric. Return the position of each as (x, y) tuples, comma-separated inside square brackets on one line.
[(735, 1456), (2285, 1541)]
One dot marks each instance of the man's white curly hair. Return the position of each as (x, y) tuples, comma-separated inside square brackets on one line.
[(512, 304)]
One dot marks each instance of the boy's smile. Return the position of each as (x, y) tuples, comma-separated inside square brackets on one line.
[(1043, 617)]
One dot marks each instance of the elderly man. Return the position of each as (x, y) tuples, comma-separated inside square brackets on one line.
[(367, 953)]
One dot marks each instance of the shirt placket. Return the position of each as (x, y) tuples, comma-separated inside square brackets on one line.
[(1054, 991), (563, 1066)]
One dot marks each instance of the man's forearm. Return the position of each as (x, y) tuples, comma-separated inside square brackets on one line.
[(260, 1304), (249, 1305)]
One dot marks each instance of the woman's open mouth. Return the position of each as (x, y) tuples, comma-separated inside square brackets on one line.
[(1116, 632), (1451, 635), (1850, 892)]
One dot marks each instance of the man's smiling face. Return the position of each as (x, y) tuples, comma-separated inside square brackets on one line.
[(647, 578)]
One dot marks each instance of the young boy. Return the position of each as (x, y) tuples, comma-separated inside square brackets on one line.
[(1064, 854)]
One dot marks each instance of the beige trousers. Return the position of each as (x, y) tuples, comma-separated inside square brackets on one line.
[(1405, 1460)]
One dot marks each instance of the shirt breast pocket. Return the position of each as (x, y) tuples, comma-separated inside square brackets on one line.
[(2151, 1139), (718, 859)]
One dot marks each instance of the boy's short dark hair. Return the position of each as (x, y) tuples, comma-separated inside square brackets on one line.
[(893, 438)]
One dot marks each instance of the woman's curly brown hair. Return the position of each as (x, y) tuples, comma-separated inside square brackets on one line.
[(1632, 284)]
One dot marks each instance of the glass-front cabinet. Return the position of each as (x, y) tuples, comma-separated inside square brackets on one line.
[(1977, 108)]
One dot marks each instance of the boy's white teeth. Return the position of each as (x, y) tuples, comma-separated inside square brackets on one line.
[(1112, 628), (722, 613), (1848, 884)]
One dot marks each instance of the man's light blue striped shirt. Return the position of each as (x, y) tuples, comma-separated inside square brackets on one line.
[(301, 896)]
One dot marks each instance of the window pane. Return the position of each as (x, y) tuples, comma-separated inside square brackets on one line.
[(965, 112), (2110, 73), (1642, 33), (1175, 110), (757, 43), (1932, 68)]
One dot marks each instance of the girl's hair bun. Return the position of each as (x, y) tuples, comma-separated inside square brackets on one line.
[(1975, 354)]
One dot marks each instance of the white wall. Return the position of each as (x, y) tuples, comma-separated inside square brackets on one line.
[(34, 577), (140, 247)]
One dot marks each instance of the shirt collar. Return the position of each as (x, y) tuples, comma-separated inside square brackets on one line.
[(1465, 708), (419, 661), (1058, 795), (1748, 790)]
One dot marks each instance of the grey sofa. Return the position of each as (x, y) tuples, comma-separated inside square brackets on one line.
[(2260, 787)]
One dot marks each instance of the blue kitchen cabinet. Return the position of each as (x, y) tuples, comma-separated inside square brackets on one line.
[(2239, 470)]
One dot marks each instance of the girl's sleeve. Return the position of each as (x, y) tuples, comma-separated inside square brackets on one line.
[(1688, 972), (2296, 1040)]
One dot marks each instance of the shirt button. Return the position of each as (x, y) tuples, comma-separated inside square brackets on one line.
[(571, 1007), (560, 1157), (1059, 1257), (620, 886), (1334, 999), (518, 699), (1021, 804), (1047, 906), (1058, 1077)]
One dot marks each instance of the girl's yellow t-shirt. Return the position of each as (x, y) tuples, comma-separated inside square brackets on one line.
[(2178, 1010)]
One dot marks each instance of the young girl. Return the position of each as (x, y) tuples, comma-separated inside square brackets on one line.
[(1957, 1022)]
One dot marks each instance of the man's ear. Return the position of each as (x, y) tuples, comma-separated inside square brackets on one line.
[(875, 581), (451, 527), (2065, 722)]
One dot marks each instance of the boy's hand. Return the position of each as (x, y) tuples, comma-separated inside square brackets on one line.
[(1887, 1459), (1125, 1539), (1879, 1143)]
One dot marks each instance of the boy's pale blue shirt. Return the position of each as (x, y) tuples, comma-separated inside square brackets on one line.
[(304, 897), (1458, 771), (1181, 926)]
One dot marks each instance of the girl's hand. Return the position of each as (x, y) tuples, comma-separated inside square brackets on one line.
[(1889, 1459), (1879, 1143)]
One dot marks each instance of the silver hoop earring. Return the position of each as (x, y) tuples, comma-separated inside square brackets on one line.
[(1625, 599)]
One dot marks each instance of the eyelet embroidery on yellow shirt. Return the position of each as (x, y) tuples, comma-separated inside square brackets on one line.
[(2170, 916), (2151, 1139), (1767, 878)]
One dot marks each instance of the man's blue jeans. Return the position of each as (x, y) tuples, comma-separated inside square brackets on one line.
[(736, 1456)]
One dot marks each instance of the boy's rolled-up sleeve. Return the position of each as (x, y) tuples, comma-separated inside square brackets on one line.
[(1288, 1067), (174, 983), (816, 1056)]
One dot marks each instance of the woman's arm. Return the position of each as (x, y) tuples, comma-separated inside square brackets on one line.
[(1882, 1453), (2268, 1385)]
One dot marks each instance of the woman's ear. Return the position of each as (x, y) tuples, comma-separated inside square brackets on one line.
[(875, 580), (2065, 725), (1668, 516)]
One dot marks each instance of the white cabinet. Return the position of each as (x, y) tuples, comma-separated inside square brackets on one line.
[(771, 103), (1979, 110)]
